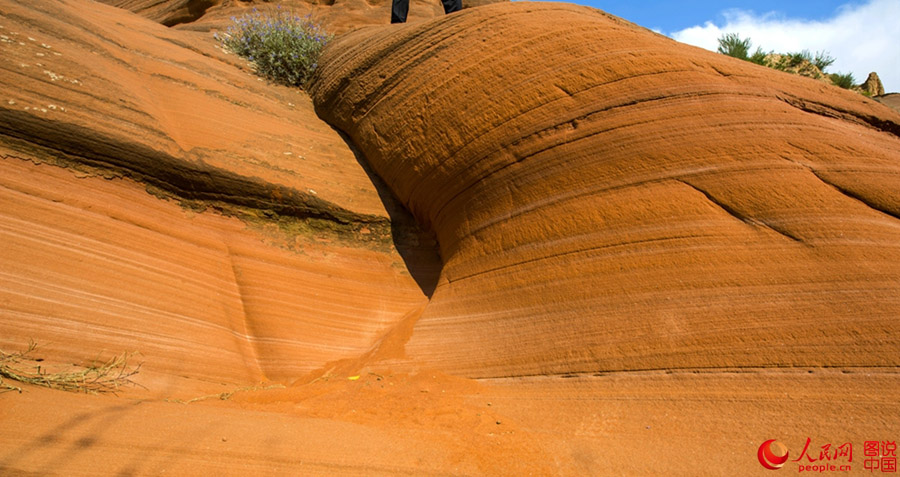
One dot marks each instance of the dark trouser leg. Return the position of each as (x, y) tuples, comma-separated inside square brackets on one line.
[(399, 10), (451, 6)]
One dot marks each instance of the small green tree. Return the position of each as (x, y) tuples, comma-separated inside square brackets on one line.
[(823, 60), (732, 45), (844, 80), (758, 57), (797, 58)]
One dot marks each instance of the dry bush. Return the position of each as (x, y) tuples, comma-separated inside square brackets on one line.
[(99, 377)]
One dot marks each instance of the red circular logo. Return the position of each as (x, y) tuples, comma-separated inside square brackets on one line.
[(772, 454)]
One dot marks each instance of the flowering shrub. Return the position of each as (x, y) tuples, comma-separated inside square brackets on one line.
[(285, 48)]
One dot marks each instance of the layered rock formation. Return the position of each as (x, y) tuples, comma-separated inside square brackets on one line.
[(652, 258), (112, 95), (611, 200)]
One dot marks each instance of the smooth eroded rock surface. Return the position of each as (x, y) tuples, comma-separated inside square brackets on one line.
[(101, 87), (890, 99), (90, 264), (607, 199)]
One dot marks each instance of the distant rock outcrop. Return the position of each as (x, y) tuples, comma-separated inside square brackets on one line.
[(795, 65), (800, 65), (872, 86)]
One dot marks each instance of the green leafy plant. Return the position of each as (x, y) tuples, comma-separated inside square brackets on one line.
[(844, 80), (758, 57), (285, 48), (796, 59), (732, 45), (801, 62), (103, 377), (823, 60)]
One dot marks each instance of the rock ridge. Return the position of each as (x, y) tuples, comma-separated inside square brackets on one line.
[(194, 182)]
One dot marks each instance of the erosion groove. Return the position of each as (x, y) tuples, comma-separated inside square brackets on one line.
[(881, 123), (889, 370), (169, 13), (71, 145), (741, 216), (889, 209)]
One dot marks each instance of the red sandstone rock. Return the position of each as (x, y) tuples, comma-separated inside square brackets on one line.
[(890, 99), (171, 12), (607, 199), (338, 16), (687, 254), (94, 265)]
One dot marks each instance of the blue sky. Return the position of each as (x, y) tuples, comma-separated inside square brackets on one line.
[(669, 17), (862, 35)]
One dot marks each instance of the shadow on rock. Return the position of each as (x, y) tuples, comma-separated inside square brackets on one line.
[(417, 246)]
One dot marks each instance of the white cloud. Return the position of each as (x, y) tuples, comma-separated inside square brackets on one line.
[(862, 38)]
